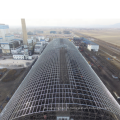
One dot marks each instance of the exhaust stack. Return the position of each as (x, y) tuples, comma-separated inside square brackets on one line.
[(24, 31)]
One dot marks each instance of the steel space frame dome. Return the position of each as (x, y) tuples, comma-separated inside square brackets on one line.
[(61, 84)]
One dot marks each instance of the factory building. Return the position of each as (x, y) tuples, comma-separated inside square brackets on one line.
[(26, 46), (3, 30), (53, 32), (19, 57), (93, 47), (47, 39), (5, 33), (61, 86), (6, 43), (31, 41), (39, 47), (90, 45), (40, 38), (22, 57), (16, 50), (9, 37), (8, 46), (20, 41), (1, 39)]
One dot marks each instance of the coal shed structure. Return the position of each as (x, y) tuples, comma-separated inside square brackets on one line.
[(61, 86)]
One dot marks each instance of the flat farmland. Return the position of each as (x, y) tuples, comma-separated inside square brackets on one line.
[(107, 35)]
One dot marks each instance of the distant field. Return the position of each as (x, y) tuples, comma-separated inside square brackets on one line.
[(110, 35)]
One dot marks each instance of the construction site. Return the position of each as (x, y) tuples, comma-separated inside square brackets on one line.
[(61, 86), (58, 74)]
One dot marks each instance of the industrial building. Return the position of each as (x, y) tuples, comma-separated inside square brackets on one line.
[(53, 32), (26, 48), (22, 57), (5, 33), (19, 57), (39, 47), (9, 46), (20, 41), (93, 46), (47, 39), (40, 38), (3, 30), (23, 54), (41, 44), (61, 86), (38, 32), (7, 41), (89, 44)]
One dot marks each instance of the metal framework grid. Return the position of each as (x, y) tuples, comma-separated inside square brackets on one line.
[(61, 82)]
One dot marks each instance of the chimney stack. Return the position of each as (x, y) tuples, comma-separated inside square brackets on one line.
[(24, 31)]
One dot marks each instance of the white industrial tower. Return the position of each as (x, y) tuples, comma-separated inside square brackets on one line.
[(24, 32)]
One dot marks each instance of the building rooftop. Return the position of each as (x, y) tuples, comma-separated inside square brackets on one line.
[(88, 41)]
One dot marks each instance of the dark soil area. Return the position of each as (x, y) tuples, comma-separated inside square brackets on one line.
[(13, 74), (2, 72), (10, 83)]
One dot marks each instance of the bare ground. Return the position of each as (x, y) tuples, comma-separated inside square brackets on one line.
[(10, 83)]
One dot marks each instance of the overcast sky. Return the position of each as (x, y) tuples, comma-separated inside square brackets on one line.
[(60, 12)]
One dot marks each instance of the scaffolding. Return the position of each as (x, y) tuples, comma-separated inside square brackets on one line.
[(61, 85)]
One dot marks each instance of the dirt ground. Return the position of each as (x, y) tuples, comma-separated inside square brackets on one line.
[(13, 74), (2, 72), (10, 83)]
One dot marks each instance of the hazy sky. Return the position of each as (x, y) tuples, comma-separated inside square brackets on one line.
[(60, 12)]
